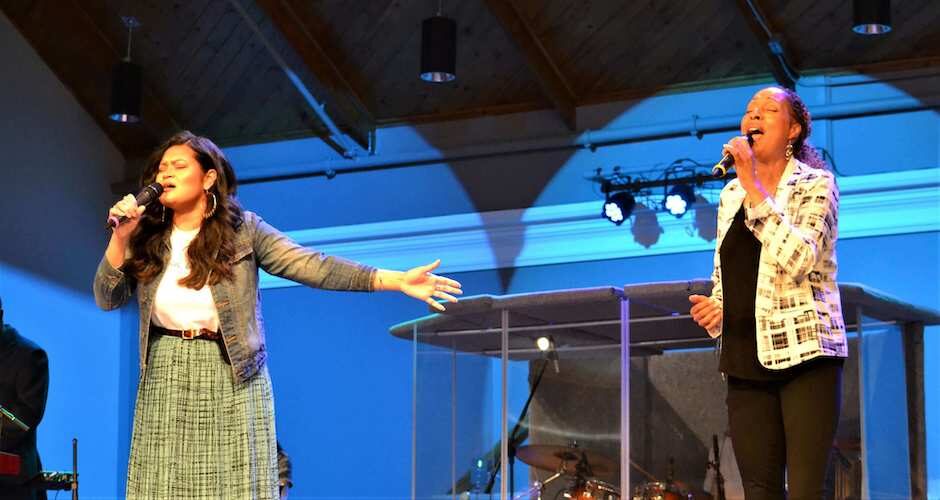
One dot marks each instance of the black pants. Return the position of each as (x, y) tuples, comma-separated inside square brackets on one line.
[(785, 427)]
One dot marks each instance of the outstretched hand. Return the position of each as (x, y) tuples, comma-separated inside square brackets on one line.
[(423, 285)]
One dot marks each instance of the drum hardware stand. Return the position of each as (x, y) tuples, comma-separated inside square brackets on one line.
[(73, 482), (716, 465), (539, 486), (582, 469), (74, 468), (512, 436)]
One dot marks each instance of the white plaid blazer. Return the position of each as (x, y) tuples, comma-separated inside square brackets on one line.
[(797, 306)]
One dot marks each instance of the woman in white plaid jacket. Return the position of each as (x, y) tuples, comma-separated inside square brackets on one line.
[(775, 303)]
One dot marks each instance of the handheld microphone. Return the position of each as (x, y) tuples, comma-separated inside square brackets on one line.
[(144, 197), (727, 161)]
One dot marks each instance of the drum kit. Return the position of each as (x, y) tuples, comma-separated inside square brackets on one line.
[(580, 467)]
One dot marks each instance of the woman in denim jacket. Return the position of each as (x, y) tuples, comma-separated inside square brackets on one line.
[(775, 302), (204, 416)]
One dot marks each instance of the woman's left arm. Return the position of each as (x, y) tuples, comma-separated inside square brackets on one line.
[(281, 256), (796, 240)]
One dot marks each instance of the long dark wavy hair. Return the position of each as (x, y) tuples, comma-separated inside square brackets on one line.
[(211, 252), (802, 149)]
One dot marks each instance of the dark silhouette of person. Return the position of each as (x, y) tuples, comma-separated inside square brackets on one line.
[(24, 384)]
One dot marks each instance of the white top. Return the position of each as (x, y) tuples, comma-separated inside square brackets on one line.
[(176, 307)]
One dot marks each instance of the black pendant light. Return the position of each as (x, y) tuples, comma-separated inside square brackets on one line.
[(126, 83), (438, 48), (871, 17)]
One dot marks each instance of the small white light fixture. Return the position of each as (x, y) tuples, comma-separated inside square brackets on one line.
[(544, 343), (871, 17)]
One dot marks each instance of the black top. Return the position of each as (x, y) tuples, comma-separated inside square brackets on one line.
[(740, 258)]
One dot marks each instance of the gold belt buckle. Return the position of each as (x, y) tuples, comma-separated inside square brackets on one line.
[(189, 334)]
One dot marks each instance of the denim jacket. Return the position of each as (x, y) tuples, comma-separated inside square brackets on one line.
[(257, 245)]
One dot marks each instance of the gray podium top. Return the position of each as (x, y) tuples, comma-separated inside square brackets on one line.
[(589, 318)]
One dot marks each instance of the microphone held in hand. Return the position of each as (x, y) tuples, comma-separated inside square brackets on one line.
[(144, 197), (727, 161)]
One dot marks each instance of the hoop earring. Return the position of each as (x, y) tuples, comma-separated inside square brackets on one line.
[(215, 204), (789, 151)]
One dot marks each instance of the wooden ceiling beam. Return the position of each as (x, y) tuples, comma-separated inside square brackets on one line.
[(550, 78), (336, 96), (67, 38), (771, 41)]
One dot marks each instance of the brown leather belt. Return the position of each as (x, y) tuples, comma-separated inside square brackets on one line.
[(201, 334)]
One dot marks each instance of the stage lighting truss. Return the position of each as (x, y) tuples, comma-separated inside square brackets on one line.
[(679, 181)]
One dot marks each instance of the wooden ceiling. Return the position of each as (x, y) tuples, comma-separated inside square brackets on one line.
[(221, 67)]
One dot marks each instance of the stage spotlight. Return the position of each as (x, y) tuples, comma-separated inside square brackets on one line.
[(680, 199), (618, 207), (126, 83), (871, 17), (547, 347), (438, 49), (544, 343)]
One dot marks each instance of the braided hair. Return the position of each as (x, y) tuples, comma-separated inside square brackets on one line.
[(802, 149)]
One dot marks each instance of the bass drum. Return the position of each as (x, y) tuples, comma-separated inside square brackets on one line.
[(658, 490), (595, 489)]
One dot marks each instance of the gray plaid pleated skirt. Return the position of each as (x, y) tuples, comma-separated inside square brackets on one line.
[(198, 435)]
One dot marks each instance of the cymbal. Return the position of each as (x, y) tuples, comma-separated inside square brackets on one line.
[(552, 458)]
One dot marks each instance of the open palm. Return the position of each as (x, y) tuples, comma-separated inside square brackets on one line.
[(421, 284)]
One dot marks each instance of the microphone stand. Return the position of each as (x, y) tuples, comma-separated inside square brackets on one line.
[(512, 436), (4, 413), (74, 469), (719, 479)]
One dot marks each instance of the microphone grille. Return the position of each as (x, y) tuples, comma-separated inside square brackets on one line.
[(149, 193)]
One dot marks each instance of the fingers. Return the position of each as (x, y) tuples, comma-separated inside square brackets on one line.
[(702, 307), (705, 311), (739, 148), (449, 282), (430, 267), (448, 285), (714, 322), (709, 319), (735, 145), (435, 304), (446, 296), (127, 206), (448, 289), (698, 303)]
